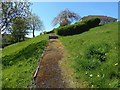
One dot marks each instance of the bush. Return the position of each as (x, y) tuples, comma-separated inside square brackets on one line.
[(50, 32), (78, 27), (93, 22)]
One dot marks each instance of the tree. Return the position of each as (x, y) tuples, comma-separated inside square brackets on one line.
[(35, 23), (19, 29), (65, 17), (10, 10)]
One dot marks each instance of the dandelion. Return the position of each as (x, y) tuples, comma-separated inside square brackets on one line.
[(91, 75), (105, 53), (86, 73), (98, 75), (116, 64)]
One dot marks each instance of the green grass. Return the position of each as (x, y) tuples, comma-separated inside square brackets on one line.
[(20, 60), (94, 55)]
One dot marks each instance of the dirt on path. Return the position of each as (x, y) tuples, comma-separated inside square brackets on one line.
[(49, 74)]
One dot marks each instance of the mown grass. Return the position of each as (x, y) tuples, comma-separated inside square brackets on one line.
[(20, 60), (94, 56)]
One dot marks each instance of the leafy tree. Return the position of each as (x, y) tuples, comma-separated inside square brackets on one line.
[(10, 10), (65, 17), (35, 23), (19, 29)]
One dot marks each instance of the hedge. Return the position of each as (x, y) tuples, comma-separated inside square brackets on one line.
[(78, 27)]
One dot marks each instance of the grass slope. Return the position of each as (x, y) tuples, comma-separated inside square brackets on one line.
[(94, 55), (19, 62)]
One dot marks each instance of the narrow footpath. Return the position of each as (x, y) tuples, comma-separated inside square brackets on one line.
[(49, 74)]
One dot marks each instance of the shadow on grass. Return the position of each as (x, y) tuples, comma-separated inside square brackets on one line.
[(26, 53)]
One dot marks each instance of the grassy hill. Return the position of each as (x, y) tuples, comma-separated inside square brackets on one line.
[(19, 62), (94, 56)]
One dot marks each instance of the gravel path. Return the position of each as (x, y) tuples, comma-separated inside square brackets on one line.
[(49, 74)]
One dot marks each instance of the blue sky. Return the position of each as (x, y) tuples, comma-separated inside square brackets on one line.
[(48, 10)]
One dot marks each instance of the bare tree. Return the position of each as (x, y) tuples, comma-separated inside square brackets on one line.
[(65, 17), (35, 23)]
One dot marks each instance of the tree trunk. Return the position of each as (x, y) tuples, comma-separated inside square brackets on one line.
[(33, 32), (23, 38)]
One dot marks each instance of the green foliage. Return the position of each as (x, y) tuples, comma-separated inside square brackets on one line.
[(20, 60), (92, 22), (94, 56), (7, 40), (19, 29), (78, 27)]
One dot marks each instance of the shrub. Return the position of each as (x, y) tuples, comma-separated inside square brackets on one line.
[(78, 27), (50, 32), (92, 22)]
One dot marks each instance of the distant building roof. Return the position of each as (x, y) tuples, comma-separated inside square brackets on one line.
[(104, 19), (98, 16)]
